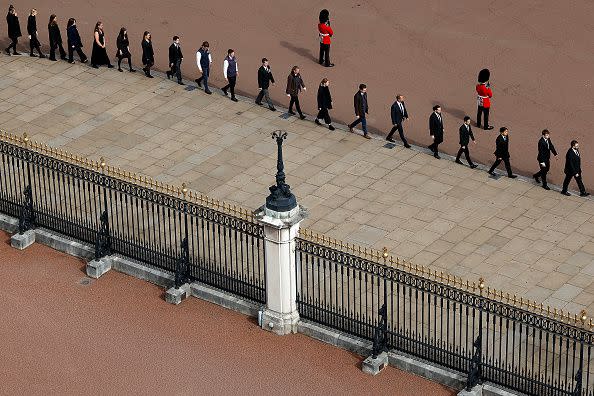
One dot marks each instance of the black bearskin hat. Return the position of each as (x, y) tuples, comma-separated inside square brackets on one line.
[(324, 16), (484, 76)]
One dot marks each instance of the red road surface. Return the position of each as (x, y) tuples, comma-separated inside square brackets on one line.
[(118, 336), (539, 52)]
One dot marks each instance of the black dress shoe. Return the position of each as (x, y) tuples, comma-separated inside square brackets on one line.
[(180, 83), (94, 66), (436, 156), (119, 69), (18, 53), (110, 66), (7, 51), (234, 99), (584, 194), (491, 173), (536, 178), (32, 55), (168, 75), (291, 112), (488, 128), (258, 103), (546, 187), (208, 92), (330, 65), (198, 82), (459, 162), (565, 193), (512, 176), (272, 109), (317, 122), (301, 116), (391, 140), (472, 166), (132, 71), (225, 92), (407, 145), (41, 56), (331, 127)]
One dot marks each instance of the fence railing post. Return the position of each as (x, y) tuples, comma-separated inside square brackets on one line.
[(577, 391), (281, 217), (25, 235)]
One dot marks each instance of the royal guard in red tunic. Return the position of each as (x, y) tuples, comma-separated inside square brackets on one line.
[(484, 95), (325, 32)]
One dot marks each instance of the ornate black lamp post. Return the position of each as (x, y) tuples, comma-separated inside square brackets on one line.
[(281, 199)]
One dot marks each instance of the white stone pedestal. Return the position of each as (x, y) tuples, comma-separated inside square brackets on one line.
[(475, 391), (375, 366), (280, 229), (176, 296), (97, 268), (22, 241)]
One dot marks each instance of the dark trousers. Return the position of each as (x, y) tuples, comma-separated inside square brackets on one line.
[(13, 43), (464, 149), (324, 115), (263, 94), (204, 78), (398, 127), (325, 54), (507, 165), (53, 51), (231, 85), (363, 122), (480, 111), (80, 53), (542, 173), (176, 71), (125, 57), (435, 146), (578, 179), (295, 101), (34, 44)]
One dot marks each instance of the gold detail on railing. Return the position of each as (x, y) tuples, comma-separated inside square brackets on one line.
[(583, 316), (25, 139)]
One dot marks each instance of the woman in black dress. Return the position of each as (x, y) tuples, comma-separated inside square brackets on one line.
[(99, 54), (14, 30), (55, 38), (123, 49), (324, 104), (74, 42), (148, 56)]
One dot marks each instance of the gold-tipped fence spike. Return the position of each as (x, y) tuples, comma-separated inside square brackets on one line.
[(583, 316)]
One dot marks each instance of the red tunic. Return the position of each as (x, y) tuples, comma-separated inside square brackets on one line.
[(483, 95), (326, 31)]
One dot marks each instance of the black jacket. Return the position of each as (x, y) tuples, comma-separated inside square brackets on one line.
[(436, 127), (544, 151), (465, 135), (73, 37), (122, 44), (14, 27), (361, 104), (397, 115), (148, 56), (264, 77), (572, 163), (175, 54), (324, 98), (32, 25), (502, 147), (55, 37)]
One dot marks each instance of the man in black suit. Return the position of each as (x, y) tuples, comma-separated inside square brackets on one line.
[(573, 168), (361, 110), (545, 148), (175, 60), (502, 152), (265, 77), (399, 114), (436, 130), (465, 136)]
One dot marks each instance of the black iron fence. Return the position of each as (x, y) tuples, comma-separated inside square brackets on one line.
[(464, 326), (169, 228)]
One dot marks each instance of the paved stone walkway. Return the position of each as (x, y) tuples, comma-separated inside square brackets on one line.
[(520, 238)]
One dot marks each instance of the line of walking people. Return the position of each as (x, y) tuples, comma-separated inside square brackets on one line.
[(294, 87)]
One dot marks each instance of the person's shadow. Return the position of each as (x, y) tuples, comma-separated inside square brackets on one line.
[(304, 52)]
